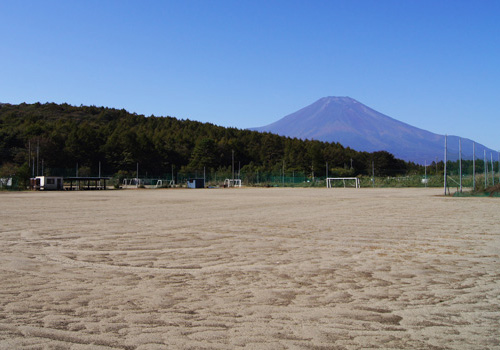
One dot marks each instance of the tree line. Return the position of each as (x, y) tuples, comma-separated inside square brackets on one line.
[(63, 135)]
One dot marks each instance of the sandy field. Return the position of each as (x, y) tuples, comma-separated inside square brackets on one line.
[(249, 269)]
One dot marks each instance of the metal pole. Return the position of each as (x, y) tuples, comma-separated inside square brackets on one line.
[(485, 171), (425, 177), (37, 156), (445, 161), (473, 166), (233, 162), (283, 178), (373, 173), (460, 161), (137, 176), (492, 171)]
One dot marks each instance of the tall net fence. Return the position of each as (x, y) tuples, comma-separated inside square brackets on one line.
[(467, 178), (472, 174), (478, 174), (9, 183)]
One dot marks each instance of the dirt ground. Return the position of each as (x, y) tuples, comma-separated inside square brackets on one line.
[(249, 268)]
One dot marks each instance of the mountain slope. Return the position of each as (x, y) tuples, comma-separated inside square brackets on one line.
[(352, 124)]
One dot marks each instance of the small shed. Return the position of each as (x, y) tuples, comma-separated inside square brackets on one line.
[(196, 183), (47, 183)]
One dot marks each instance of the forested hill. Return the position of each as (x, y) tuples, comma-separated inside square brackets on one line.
[(68, 135)]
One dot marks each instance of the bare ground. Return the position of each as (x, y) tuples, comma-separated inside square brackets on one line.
[(249, 268)]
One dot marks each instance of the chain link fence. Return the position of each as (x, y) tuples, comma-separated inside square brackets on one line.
[(465, 175)]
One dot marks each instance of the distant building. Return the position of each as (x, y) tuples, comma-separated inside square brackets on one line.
[(196, 183), (47, 183)]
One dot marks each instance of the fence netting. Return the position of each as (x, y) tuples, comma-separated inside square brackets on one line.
[(479, 174)]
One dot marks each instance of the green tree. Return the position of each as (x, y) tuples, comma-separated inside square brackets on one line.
[(204, 155), (88, 135)]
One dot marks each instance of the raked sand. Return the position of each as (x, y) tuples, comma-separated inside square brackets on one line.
[(249, 269)]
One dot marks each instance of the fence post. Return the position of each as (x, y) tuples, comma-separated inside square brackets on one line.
[(445, 161), (460, 161), (473, 166)]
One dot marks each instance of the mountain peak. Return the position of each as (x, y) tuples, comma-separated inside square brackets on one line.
[(337, 99), (355, 125)]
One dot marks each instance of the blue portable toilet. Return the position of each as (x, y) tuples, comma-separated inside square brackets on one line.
[(196, 183)]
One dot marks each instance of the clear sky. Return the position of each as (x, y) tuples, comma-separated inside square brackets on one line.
[(245, 63)]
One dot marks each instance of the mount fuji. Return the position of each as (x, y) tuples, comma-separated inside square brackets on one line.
[(352, 124)]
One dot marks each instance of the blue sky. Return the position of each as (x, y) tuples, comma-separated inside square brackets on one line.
[(432, 64)]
